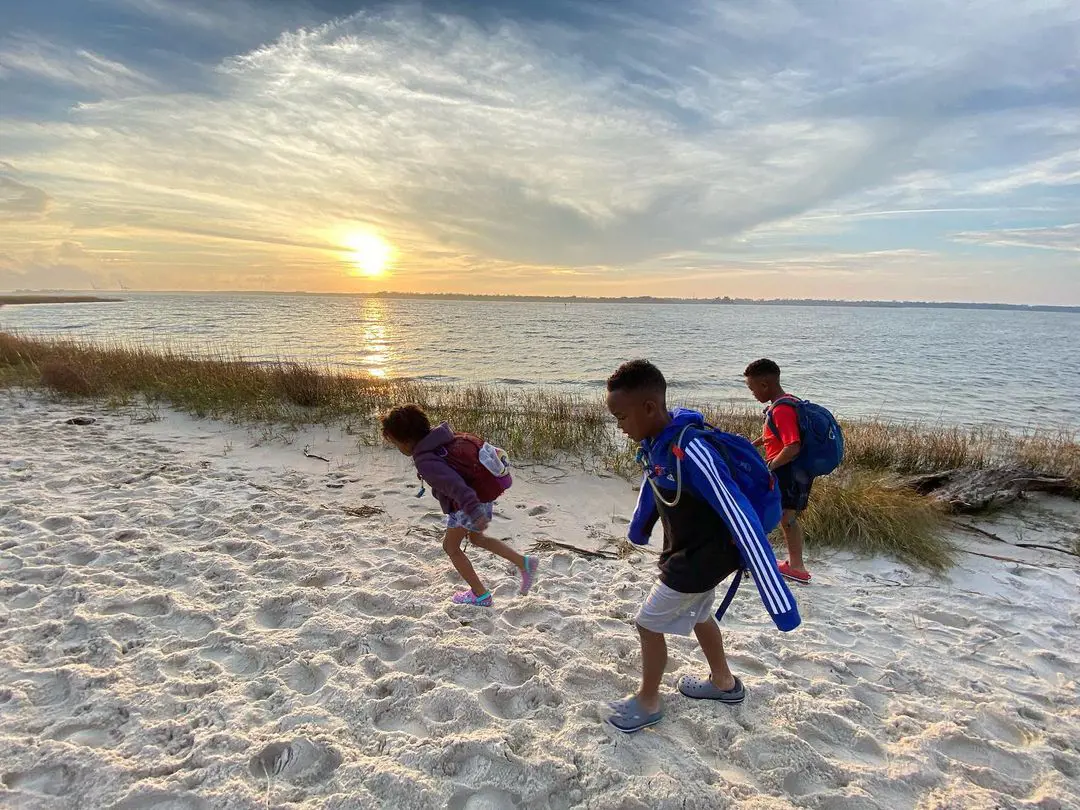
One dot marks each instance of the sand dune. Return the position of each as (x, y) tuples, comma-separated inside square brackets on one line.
[(191, 622)]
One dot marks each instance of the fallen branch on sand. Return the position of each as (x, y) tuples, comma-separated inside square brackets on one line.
[(313, 455), (966, 491), (363, 511), (992, 536), (551, 545), (1010, 559)]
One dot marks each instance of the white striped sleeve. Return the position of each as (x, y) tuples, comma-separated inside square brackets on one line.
[(742, 528)]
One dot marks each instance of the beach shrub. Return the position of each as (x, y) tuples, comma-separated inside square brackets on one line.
[(870, 514), (64, 378), (301, 385)]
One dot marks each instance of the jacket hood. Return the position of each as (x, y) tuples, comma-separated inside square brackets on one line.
[(438, 437), (680, 418)]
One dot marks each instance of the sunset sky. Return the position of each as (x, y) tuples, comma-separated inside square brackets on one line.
[(925, 149)]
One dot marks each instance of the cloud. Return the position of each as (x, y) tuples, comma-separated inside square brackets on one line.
[(1062, 237), (19, 201), (509, 142), (47, 61)]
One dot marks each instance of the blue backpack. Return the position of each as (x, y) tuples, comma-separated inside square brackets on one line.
[(819, 434), (747, 469), (750, 474), (757, 483)]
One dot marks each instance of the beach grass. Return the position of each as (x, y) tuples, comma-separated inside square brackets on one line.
[(860, 507)]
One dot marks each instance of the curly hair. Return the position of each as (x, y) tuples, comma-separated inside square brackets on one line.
[(406, 423), (638, 375), (762, 368)]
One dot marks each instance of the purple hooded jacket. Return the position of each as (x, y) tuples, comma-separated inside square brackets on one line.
[(453, 493)]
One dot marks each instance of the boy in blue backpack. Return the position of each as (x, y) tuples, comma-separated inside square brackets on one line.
[(802, 441), (711, 530)]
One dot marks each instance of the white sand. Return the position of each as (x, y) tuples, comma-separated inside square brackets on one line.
[(181, 612)]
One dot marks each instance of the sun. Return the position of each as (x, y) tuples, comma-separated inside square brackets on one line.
[(369, 253)]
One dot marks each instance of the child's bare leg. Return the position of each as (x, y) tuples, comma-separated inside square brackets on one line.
[(653, 663), (452, 546), (497, 547), (712, 644), (793, 537)]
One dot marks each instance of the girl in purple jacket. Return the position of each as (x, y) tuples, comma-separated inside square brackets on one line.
[(409, 430)]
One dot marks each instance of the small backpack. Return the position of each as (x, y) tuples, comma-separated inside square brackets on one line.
[(484, 467), (819, 434)]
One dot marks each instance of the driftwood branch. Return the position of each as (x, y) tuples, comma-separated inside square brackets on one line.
[(976, 530), (970, 491)]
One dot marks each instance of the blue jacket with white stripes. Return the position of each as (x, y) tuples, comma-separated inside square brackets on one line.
[(711, 530)]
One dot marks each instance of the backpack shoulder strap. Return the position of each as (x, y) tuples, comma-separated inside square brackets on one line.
[(730, 595), (788, 400)]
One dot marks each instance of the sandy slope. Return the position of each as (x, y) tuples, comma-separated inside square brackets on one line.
[(191, 622)]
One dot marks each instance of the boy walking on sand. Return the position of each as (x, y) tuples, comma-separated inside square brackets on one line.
[(783, 443), (466, 475), (711, 529)]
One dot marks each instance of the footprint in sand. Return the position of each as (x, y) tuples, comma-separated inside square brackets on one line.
[(44, 780), (9, 563), (43, 575), (80, 558), (235, 659), (299, 762), (87, 734), (146, 607), (303, 678), (161, 800), (20, 597), (50, 688), (189, 626), (324, 579), (283, 613), (985, 754), (386, 649), (516, 702), (484, 799)]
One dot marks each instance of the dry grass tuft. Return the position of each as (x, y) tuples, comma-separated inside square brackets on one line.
[(64, 378), (868, 513)]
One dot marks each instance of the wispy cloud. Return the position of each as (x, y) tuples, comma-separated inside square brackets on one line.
[(1062, 237), (503, 142), (47, 61)]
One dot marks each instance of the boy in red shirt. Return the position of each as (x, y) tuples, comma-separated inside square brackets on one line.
[(781, 449)]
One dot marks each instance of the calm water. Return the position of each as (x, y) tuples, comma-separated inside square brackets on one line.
[(1018, 369)]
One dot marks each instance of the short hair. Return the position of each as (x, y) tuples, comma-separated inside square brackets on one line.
[(406, 423), (762, 368), (638, 375)]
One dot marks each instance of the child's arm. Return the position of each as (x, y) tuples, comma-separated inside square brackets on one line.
[(787, 427), (706, 473), (445, 479), (645, 515)]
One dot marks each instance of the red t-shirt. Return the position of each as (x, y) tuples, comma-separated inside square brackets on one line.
[(787, 423)]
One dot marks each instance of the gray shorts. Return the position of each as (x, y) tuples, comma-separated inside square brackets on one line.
[(669, 611)]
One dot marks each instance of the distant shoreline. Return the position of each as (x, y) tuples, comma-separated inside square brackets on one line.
[(574, 299), (15, 300), (726, 300)]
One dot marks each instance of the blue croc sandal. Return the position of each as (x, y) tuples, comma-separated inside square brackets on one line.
[(629, 716), (705, 689)]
